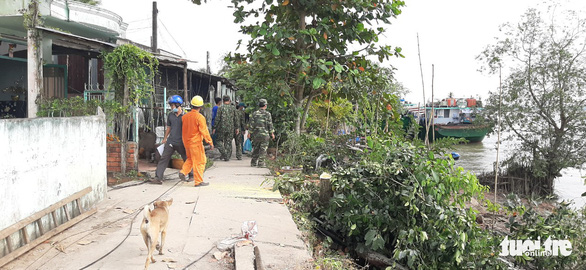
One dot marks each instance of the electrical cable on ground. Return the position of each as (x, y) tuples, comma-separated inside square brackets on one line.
[(112, 250), (198, 259), (88, 232), (130, 228), (103, 226)]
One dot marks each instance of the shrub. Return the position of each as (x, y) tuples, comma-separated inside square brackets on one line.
[(563, 223)]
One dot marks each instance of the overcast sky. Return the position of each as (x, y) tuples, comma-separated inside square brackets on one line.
[(451, 34)]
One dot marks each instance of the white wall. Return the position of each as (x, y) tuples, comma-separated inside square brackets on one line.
[(44, 160)]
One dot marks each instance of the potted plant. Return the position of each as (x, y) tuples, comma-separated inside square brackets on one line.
[(176, 161)]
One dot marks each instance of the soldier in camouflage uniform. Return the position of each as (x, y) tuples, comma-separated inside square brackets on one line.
[(261, 125), (241, 124), (225, 128)]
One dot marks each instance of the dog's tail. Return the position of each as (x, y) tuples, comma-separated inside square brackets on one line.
[(147, 214)]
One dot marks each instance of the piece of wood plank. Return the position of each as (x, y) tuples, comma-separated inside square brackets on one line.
[(54, 219), (17, 226), (66, 213), (8, 244), (78, 202), (24, 234), (40, 224), (21, 250)]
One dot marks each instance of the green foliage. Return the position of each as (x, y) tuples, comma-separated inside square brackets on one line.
[(404, 202), (562, 223), (334, 263), (128, 64), (280, 104), (176, 155), (76, 106), (209, 163), (287, 183), (301, 151), (398, 199), (299, 57), (543, 96), (331, 113), (32, 18)]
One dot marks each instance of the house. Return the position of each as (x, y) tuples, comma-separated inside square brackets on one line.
[(51, 175), (175, 78), (71, 38)]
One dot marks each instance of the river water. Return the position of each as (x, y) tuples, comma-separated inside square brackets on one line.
[(480, 157)]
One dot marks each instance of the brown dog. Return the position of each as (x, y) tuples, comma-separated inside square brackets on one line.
[(153, 224)]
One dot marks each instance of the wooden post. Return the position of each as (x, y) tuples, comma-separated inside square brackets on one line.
[(208, 70), (185, 94), (34, 61), (154, 37)]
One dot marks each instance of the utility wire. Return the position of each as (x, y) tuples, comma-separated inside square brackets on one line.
[(137, 29), (149, 18), (184, 54)]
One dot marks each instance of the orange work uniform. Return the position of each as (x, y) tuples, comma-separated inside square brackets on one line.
[(194, 131)]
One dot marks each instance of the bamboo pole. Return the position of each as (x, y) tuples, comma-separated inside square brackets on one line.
[(498, 142), (432, 104), (423, 88)]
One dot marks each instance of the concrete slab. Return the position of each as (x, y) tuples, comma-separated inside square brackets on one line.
[(244, 257), (200, 217)]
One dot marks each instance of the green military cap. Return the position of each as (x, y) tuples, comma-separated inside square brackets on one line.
[(262, 102)]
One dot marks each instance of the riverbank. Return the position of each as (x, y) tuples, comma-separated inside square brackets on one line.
[(480, 158)]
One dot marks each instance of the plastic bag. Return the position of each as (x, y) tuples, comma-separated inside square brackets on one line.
[(249, 229), (247, 146)]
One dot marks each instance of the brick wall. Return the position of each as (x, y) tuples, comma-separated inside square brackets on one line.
[(113, 150)]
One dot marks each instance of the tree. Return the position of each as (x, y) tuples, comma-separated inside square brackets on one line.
[(543, 99), (280, 102), (298, 46), (131, 72)]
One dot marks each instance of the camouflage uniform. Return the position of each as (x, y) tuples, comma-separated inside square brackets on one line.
[(239, 138), (225, 126), (261, 126)]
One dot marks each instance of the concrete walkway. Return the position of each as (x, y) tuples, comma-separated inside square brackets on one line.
[(200, 217)]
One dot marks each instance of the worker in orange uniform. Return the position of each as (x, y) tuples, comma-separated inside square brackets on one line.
[(195, 131)]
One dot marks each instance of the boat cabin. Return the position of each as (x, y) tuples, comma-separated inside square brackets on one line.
[(452, 111)]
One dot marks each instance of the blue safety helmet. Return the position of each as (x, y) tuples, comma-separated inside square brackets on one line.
[(175, 99)]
